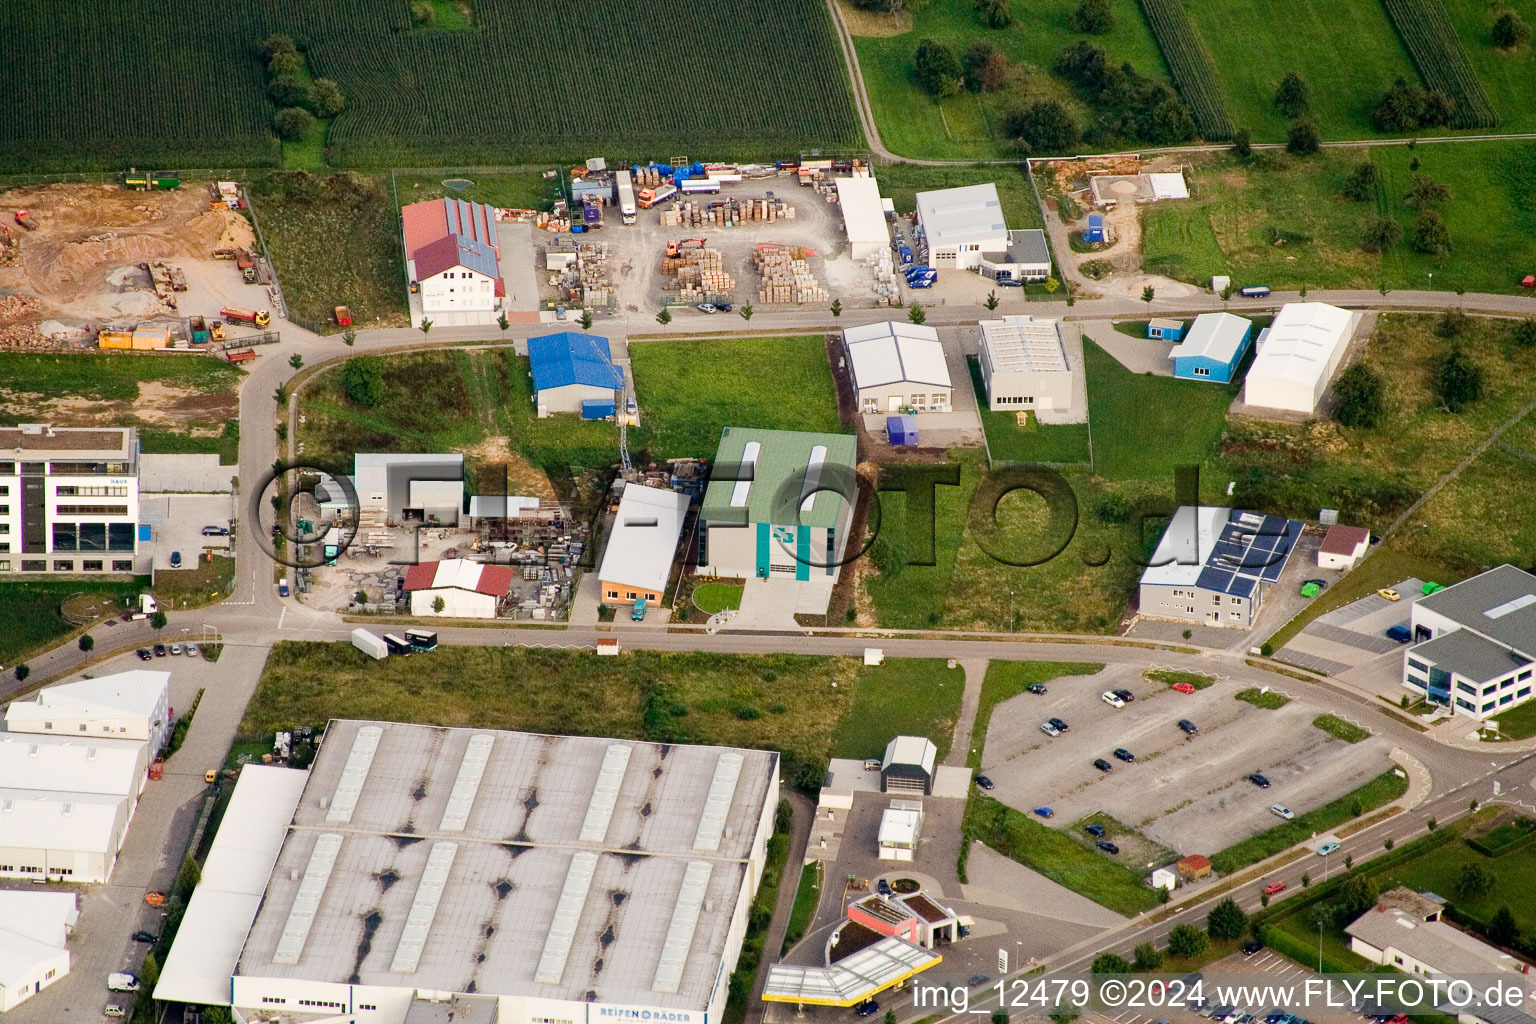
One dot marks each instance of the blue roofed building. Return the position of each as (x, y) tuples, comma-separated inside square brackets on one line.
[(1213, 347), (1213, 565), (574, 372)]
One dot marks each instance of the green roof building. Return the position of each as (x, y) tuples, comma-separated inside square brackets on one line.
[(788, 515)]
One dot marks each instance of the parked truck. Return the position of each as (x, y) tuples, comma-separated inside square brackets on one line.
[(650, 197), (369, 644), (626, 196), (254, 317), (198, 326)]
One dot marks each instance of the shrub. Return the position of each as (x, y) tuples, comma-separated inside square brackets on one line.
[(363, 379), (1510, 31), (1453, 323), (87, 641), (1381, 234), (1458, 381), (1362, 182), (1525, 333), (293, 123), (938, 69), (1293, 96), (978, 57), (1043, 125), (995, 13), (1092, 16), (22, 671), (326, 99), (1109, 963), (423, 14), (1242, 144), (1226, 920), (1185, 940), (275, 44), (1359, 397), (1302, 138)]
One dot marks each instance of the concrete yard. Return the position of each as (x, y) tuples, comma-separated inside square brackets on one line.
[(1189, 793)]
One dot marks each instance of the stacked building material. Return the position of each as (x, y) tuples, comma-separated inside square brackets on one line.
[(699, 275), (786, 276), (726, 212)]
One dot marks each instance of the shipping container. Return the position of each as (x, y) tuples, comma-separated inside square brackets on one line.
[(396, 644), (369, 644), (421, 639), (1255, 291)]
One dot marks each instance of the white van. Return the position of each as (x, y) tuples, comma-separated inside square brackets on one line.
[(121, 982)]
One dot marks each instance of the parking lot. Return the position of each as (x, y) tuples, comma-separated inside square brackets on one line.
[(1353, 635), (177, 521), (1188, 793)]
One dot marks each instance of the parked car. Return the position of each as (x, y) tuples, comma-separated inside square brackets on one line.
[(1282, 811), (1036, 688), (1103, 765), (149, 937), (1327, 848), (1258, 780), (1389, 594), (871, 764), (708, 307), (192, 650), (1112, 698), (883, 888), (1184, 687), (1125, 695), (175, 649), (1008, 282), (976, 979), (1121, 754), (868, 1008), (1045, 812), (175, 559), (1107, 846), (113, 1010), (120, 981), (144, 654), (724, 307), (1190, 728), (1400, 633), (1273, 888), (1049, 728), (1250, 948), (1095, 830), (1060, 725), (215, 531), (985, 783), (159, 650)]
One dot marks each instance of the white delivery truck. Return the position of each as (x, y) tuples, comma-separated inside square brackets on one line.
[(625, 182), (369, 644)]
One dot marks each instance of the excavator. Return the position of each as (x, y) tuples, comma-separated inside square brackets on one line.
[(674, 248)]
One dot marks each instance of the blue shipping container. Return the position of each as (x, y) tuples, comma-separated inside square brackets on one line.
[(597, 408), (1257, 291)]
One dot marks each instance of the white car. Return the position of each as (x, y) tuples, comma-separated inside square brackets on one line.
[(707, 307), (1109, 697), (119, 981), (1049, 729), (113, 1010), (175, 648), (192, 651), (1282, 811)]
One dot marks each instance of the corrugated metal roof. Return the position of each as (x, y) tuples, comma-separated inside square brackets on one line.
[(961, 216), (1216, 336), (889, 352), (644, 537), (558, 360)]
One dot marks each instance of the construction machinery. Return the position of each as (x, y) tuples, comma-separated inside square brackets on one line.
[(143, 181), (255, 317), (25, 220), (674, 248), (216, 330)]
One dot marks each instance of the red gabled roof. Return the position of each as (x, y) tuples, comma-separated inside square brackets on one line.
[(1342, 540), (495, 580), (424, 223), (420, 576)]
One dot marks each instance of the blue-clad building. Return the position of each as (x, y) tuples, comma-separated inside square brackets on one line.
[(1213, 347), (574, 373), (1163, 329)]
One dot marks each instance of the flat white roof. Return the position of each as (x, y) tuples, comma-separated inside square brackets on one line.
[(20, 956), (1022, 344), (42, 915), (863, 213), (1186, 544), (31, 819), (1213, 336), (898, 826), (968, 215), (1168, 185), (69, 764), (207, 946), (891, 352), (644, 539), (1299, 345), (137, 692), (852, 979)]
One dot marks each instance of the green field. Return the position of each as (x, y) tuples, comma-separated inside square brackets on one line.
[(909, 697), (198, 97), (1381, 790), (964, 126), (1514, 876), (690, 390), (1125, 409), (1506, 77), (1255, 44), (717, 597), (32, 610), (1284, 222)]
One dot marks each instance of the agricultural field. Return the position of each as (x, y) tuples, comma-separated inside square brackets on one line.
[(1284, 221), (1431, 40), (966, 126), (1505, 75), (198, 96), (1190, 65)]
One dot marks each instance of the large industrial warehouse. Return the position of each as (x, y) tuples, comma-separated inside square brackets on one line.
[(496, 876)]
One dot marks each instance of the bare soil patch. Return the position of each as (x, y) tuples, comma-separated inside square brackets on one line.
[(870, 24)]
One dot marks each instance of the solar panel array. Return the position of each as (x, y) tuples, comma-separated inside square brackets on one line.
[(1251, 549)]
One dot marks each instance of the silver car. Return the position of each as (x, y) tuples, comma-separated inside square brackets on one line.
[(1282, 811)]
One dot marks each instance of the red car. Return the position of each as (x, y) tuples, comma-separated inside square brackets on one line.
[(1274, 887), (1184, 687)]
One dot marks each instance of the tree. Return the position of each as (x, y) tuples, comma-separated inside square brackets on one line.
[(289, 91), (1083, 64), (425, 325), (1302, 139), (293, 123), (1453, 324), (1226, 920), (915, 313), (503, 323), (1362, 182), (1148, 294), (1459, 383), (280, 394), (1349, 861), (938, 69), (1168, 122), (363, 379), (285, 64), (746, 311), (1359, 397), (1109, 963), (296, 361), (1430, 823), (664, 317), (1438, 110), (586, 320), (1357, 896), (1381, 234), (1356, 808), (1147, 957), (275, 44), (1474, 882), (1431, 236), (1306, 880), (890, 1017), (1525, 333), (1388, 843), (836, 308), (156, 621), (1185, 940), (991, 302), (87, 641), (995, 13), (1293, 96), (1242, 144), (975, 58), (1044, 125), (995, 73), (1052, 285), (325, 98), (1502, 929), (423, 14), (1424, 191), (1092, 16), (1510, 31), (22, 671), (1264, 899), (438, 604), (349, 337), (1400, 108)]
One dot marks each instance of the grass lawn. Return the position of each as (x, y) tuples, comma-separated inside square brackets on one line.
[(900, 183), (1268, 700), (1037, 442), (912, 124), (1253, 49), (526, 190), (1056, 855), (1302, 931), (335, 241), (1518, 722), (717, 597), (1125, 409), (32, 610), (1514, 876), (197, 585), (906, 697), (690, 390), (1006, 679), (225, 443), (1506, 76), (1381, 790), (1340, 729), (1168, 677), (105, 378), (807, 894)]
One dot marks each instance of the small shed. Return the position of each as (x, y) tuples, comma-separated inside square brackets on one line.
[(1095, 232), (1195, 866), (901, 430), (1342, 547), (1162, 878), (899, 828), (908, 765), (1162, 329), (1219, 283)]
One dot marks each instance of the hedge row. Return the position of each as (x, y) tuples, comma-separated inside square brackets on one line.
[(1442, 62), (1190, 65)]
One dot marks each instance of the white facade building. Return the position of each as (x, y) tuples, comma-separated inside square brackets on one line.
[(1342, 547), (1297, 355), (457, 273), (530, 885), (75, 764), (67, 837), (1474, 643), (1024, 365), (34, 927), (69, 499), (959, 224), (898, 366), (468, 590), (863, 216), (900, 825), (637, 561), (133, 705), (1397, 938)]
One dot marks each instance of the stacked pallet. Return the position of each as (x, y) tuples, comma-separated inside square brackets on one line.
[(587, 281), (699, 274), (726, 213), (786, 276), (646, 177), (886, 288)]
